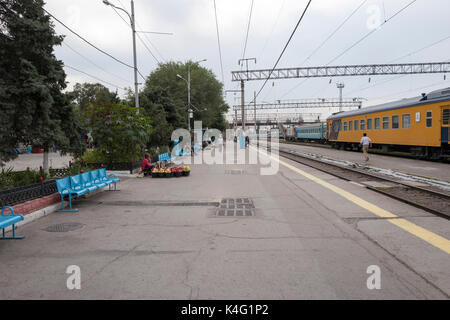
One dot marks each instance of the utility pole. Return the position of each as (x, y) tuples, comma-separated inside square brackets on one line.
[(340, 86), (133, 30), (136, 84), (188, 81), (254, 107), (243, 90)]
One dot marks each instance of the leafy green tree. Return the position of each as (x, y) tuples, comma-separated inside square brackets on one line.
[(33, 107), (165, 95), (85, 95), (119, 132)]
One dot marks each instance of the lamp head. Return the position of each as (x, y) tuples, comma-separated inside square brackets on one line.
[(106, 2)]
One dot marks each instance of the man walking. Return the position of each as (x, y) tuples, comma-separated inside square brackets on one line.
[(366, 143)]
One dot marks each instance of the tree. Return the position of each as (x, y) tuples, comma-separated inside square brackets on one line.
[(85, 95), (165, 96), (33, 107), (120, 134)]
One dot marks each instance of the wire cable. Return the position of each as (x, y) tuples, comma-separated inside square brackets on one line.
[(94, 77), (284, 49), (89, 43), (323, 43), (218, 41), (145, 35), (370, 33), (248, 29), (93, 63)]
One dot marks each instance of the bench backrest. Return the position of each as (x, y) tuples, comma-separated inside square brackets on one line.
[(86, 178), (75, 182), (10, 209), (94, 175), (63, 184), (102, 174)]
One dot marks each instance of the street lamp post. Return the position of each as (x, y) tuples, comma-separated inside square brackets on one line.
[(188, 81), (133, 28)]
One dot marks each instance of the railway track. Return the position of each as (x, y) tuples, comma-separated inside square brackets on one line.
[(397, 154), (420, 196)]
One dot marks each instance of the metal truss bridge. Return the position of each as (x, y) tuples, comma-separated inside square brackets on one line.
[(342, 71)]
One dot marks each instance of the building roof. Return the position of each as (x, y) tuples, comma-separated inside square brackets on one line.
[(432, 97)]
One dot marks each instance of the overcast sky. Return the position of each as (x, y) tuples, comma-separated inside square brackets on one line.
[(193, 25)]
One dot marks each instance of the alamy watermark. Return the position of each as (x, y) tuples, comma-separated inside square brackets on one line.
[(74, 280), (236, 147)]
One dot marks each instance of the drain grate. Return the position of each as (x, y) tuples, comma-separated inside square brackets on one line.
[(235, 171), (240, 207), (64, 227)]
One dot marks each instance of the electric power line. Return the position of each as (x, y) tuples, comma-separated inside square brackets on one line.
[(148, 39), (284, 49), (370, 33), (139, 37), (248, 29), (218, 41), (92, 62), (323, 43), (94, 77), (92, 45)]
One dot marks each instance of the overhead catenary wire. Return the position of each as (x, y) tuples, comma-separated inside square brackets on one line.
[(248, 29), (324, 42), (284, 49), (399, 58), (218, 41), (370, 33)]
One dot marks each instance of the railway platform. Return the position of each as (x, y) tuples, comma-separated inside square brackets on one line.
[(301, 234), (431, 169)]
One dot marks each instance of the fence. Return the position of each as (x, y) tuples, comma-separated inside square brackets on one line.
[(18, 195)]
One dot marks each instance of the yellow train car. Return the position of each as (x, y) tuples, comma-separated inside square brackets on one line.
[(420, 125)]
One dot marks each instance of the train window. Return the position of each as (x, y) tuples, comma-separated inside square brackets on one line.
[(395, 122), (345, 126), (385, 123), (377, 123), (429, 119), (363, 125), (356, 125), (446, 116), (350, 126), (369, 124), (406, 121)]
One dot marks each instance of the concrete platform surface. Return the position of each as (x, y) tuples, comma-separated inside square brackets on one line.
[(161, 239), (430, 169)]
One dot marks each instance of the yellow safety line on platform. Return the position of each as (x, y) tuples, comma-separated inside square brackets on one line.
[(424, 234)]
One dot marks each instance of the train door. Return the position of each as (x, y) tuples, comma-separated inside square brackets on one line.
[(445, 124), (335, 128)]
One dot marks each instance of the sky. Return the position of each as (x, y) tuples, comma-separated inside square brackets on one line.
[(419, 33)]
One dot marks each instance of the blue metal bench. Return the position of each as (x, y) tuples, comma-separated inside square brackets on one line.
[(112, 178), (10, 220), (77, 186)]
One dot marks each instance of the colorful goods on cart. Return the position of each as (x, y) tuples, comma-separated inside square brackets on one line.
[(171, 172)]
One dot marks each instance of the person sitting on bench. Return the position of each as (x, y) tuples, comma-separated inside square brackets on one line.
[(146, 165)]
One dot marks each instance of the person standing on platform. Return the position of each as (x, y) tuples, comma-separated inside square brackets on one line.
[(366, 143)]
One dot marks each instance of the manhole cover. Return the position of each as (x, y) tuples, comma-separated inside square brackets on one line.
[(240, 207), (64, 227)]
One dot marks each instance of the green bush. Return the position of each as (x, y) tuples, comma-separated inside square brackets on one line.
[(13, 179)]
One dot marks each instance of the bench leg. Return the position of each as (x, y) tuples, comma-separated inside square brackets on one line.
[(70, 205), (115, 187), (14, 237)]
